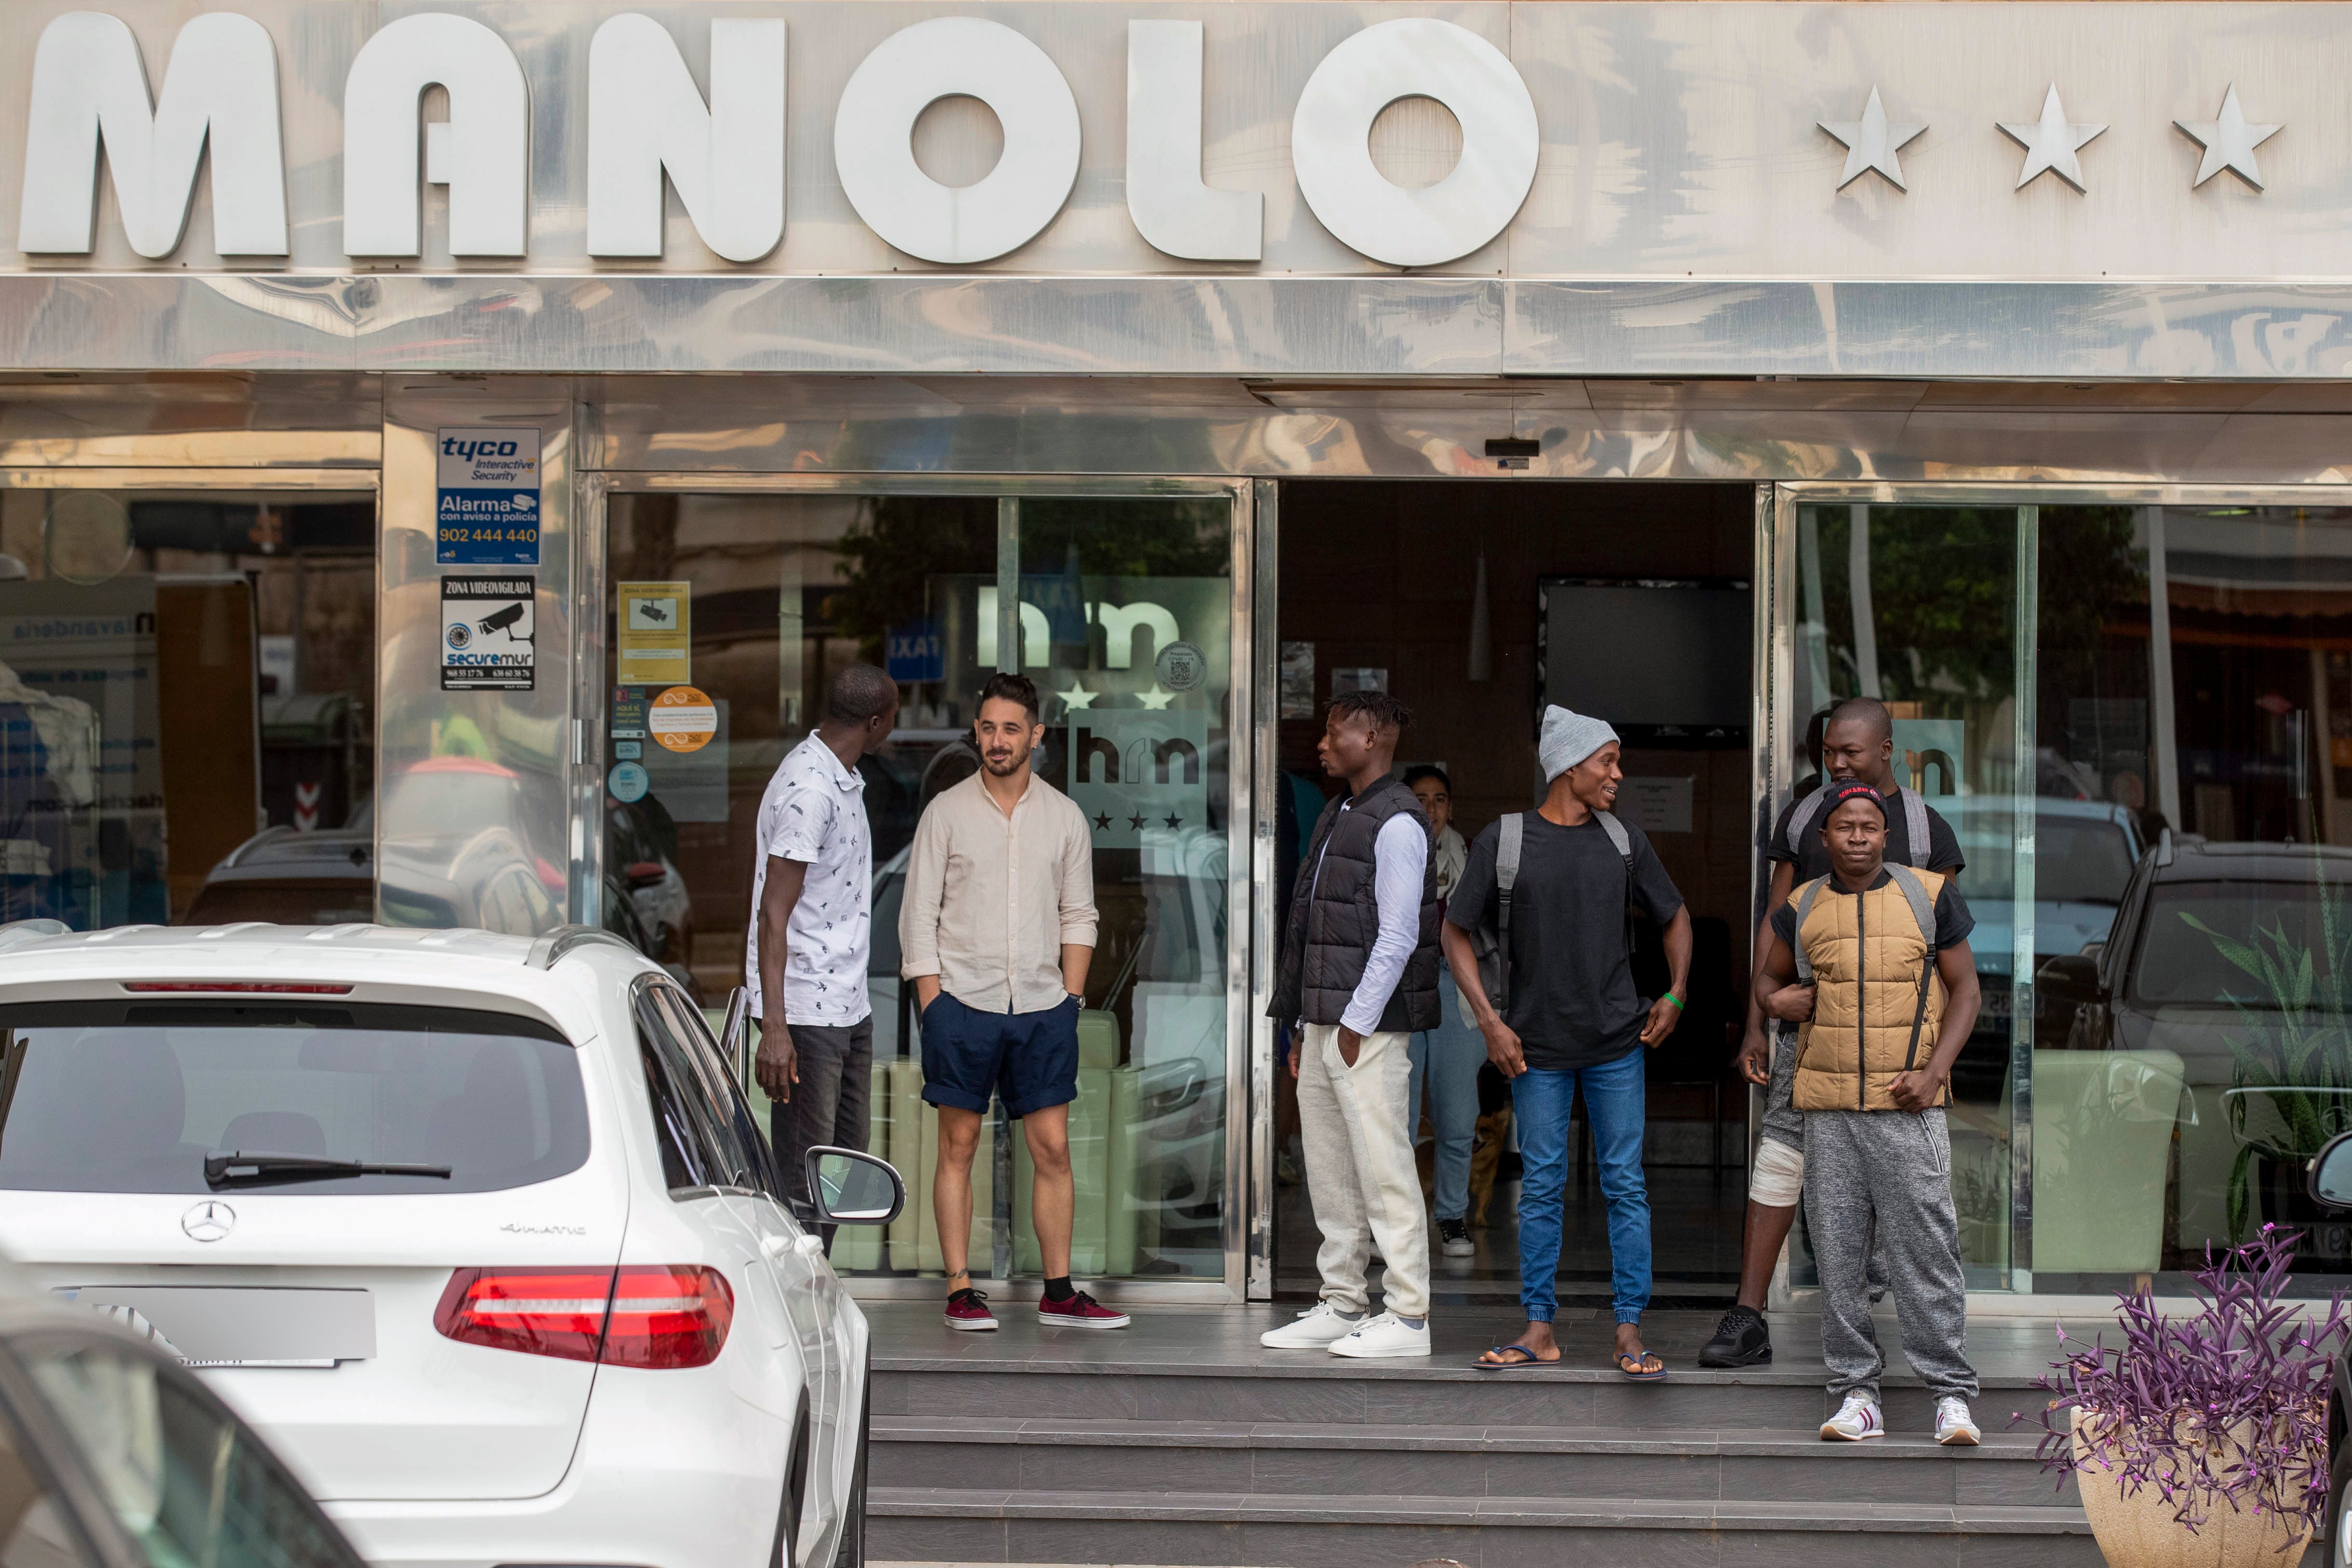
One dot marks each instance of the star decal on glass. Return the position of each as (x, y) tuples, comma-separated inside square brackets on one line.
[(1156, 697), (2229, 141), (1174, 820), (1077, 696), (2051, 143), (1103, 820), (1136, 822), (1871, 142)]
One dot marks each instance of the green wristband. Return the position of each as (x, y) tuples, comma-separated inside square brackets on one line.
[(1675, 1000)]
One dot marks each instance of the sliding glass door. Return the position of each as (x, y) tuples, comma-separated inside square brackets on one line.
[(744, 601)]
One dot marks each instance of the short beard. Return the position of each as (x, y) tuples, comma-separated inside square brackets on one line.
[(1008, 770)]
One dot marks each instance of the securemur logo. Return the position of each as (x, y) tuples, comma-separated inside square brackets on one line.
[(487, 629)]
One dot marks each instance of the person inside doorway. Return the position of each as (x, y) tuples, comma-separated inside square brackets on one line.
[(1571, 1018), (811, 928), (1857, 747), (1872, 1088), (997, 930), (1359, 972), (1446, 1059)]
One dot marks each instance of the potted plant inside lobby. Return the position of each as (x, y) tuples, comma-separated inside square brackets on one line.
[(2202, 1441)]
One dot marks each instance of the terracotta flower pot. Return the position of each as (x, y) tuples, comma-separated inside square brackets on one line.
[(2136, 1530)]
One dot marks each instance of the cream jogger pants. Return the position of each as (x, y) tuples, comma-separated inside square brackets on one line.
[(1359, 1172)]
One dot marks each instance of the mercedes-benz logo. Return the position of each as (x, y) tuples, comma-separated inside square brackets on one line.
[(209, 1220)]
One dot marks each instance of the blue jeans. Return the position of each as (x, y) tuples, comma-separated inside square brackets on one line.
[(1447, 1059), (1615, 1100)]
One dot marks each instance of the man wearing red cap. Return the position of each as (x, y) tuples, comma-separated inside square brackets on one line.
[(1883, 949)]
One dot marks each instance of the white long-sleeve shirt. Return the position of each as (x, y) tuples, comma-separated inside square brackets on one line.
[(1399, 856)]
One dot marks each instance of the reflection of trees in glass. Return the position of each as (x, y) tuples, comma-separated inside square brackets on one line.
[(897, 545), (1943, 592), (1127, 535)]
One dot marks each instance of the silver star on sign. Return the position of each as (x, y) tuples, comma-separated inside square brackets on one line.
[(2229, 141), (1871, 142), (2051, 143)]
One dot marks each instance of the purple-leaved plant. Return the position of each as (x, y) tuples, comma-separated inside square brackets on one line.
[(2229, 1407)]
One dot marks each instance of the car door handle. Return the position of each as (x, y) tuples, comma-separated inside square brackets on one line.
[(803, 1246)]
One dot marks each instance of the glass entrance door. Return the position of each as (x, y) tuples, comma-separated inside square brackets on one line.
[(1119, 607)]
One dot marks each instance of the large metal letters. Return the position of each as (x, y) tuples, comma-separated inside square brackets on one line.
[(482, 151), (1172, 207), (645, 116), (874, 152), (89, 85), (1330, 142)]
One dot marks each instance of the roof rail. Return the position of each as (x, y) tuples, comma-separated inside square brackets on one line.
[(557, 945), (17, 932)]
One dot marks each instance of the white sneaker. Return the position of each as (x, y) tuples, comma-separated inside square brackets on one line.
[(1385, 1335), (1454, 1239), (1313, 1329), (1857, 1420), (1954, 1428)]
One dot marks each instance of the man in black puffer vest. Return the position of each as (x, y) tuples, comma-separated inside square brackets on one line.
[(1360, 974)]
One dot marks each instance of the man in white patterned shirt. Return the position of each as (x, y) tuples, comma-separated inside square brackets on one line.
[(812, 930)]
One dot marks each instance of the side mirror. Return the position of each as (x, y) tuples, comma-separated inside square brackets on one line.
[(735, 1040), (2069, 978), (2331, 1174), (851, 1187)]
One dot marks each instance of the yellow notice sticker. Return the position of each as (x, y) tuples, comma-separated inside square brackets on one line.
[(682, 719), (656, 623)]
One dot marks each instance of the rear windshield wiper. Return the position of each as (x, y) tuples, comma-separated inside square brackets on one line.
[(235, 1168)]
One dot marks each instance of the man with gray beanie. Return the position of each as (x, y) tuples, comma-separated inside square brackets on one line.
[(1550, 895)]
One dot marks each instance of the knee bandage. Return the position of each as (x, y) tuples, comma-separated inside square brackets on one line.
[(1778, 1178)]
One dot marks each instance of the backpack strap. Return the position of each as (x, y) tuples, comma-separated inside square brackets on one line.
[(1915, 820), (1799, 820), (1509, 831), (1805, 896), (1923, 910), (1623, 844)]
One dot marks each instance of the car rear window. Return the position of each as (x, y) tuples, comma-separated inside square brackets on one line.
[(130, 1096)]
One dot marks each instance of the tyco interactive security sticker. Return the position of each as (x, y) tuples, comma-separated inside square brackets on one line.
[(486, 627), (487, 514)]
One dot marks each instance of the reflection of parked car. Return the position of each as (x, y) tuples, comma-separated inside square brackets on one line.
[(639, 853), (2084, 852), (443, 799), (2230, 965), (111, 1454)]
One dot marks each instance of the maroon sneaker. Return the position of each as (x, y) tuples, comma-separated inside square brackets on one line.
[(1079, 1311), (968, 1309)]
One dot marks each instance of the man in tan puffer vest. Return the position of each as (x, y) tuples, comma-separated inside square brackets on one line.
[(1873, 960)]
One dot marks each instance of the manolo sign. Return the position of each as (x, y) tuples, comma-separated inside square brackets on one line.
[(725, 153)]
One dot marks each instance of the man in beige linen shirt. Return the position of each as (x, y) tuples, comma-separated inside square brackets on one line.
[(996, 930)]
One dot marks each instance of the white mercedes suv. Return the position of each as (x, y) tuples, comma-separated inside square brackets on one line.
[(478, 1230)]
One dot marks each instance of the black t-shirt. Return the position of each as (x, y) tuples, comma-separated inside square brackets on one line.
[(1573, 998), (1812, 857), (1953, 921)]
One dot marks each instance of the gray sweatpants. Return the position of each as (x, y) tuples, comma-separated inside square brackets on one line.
[(1883, 1180)]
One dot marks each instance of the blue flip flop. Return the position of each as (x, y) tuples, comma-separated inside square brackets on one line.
[(1631, 1366), (1532, 1360)]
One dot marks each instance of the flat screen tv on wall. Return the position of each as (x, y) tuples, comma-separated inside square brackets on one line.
[(1667, 662)]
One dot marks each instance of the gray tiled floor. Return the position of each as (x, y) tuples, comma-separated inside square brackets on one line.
[(2009, 1353)]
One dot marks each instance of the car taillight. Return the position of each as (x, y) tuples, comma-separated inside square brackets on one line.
[(631, 1316), (668, 1317)]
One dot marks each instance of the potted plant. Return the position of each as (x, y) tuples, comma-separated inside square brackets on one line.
[(2201, 1440)]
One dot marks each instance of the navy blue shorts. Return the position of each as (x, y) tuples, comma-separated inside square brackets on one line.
[(1029, 1059)]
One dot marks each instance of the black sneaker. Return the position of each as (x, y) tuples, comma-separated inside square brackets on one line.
[(1741, 1338), (1454, 1238)]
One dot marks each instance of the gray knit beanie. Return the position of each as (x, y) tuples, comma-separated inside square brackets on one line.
[(1568, 740)]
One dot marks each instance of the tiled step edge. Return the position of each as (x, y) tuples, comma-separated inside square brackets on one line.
[(1566, 1513)]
